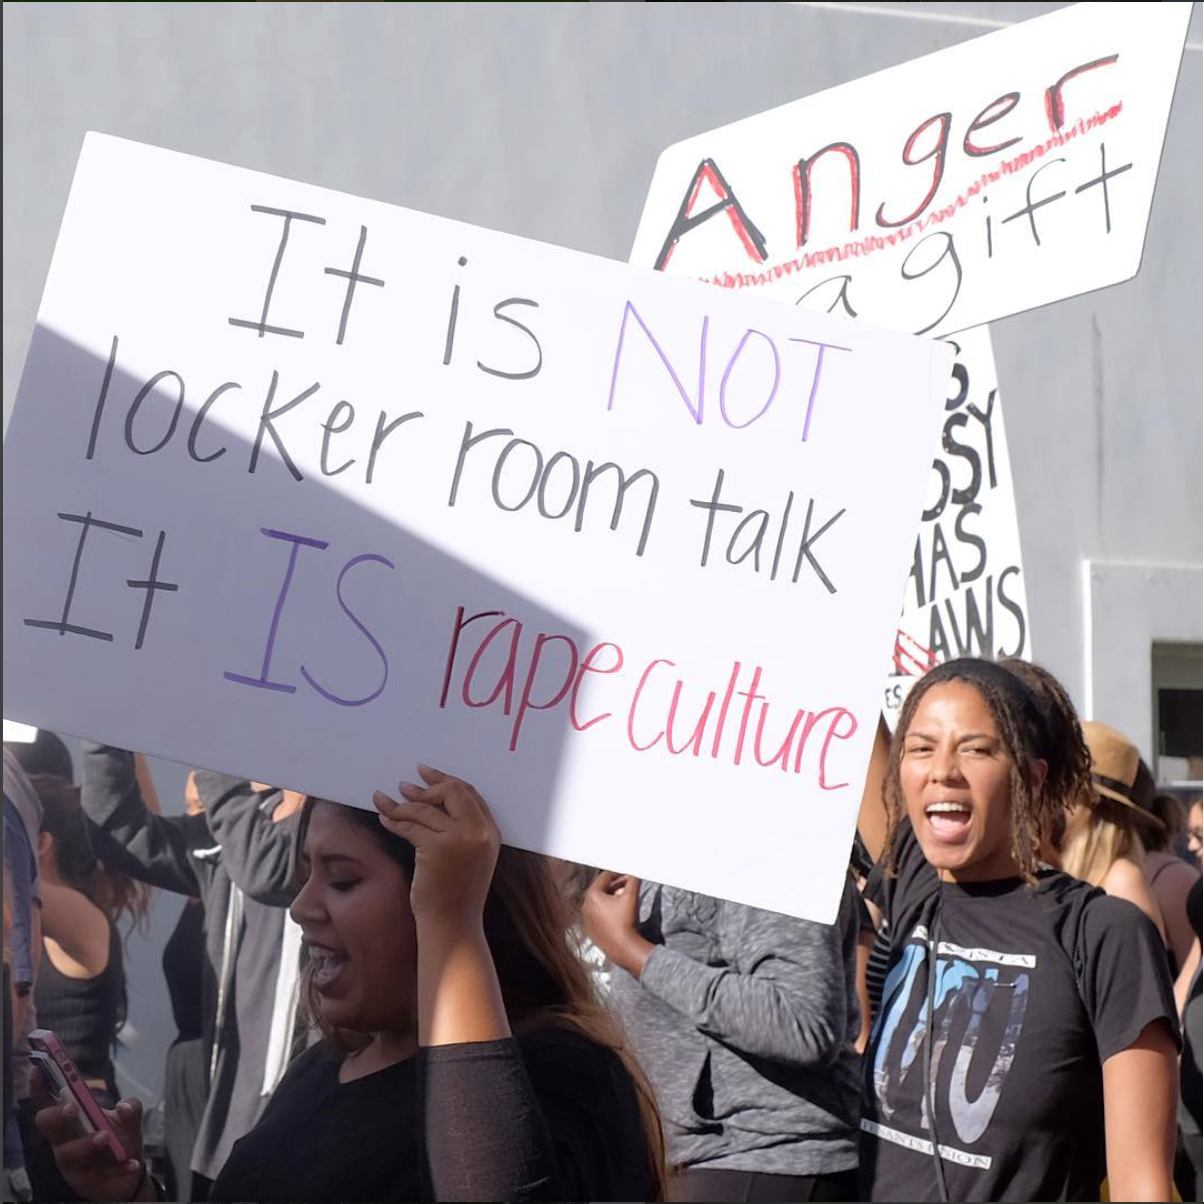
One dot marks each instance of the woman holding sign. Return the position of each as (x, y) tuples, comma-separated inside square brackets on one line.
[(1041, 1054), (464, 1056)]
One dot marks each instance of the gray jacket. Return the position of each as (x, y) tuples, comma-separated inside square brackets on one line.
[(744, 1021)]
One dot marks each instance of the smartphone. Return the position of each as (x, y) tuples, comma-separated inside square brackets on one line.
[(66, 1083)]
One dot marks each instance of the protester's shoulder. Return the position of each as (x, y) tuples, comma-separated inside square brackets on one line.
[(1125, 878), (909, 880), (1092, 918)]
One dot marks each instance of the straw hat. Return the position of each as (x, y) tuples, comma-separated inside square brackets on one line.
[(1115, 763)]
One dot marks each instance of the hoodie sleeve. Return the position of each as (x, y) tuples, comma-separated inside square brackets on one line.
[(127, 834), (780, 993), (257, 851)]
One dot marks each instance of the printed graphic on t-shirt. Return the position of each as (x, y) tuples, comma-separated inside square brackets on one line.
[(981, 997)]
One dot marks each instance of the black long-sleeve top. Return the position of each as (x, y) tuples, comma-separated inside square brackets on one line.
[(545, 1116)]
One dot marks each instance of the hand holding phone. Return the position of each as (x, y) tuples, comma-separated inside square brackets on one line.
[(66, 1084), (96, 1151)]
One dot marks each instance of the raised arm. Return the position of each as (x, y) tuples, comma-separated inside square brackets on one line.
[(496, 1126), (871, 819), (257, 851), (130, 837), (781, 993)]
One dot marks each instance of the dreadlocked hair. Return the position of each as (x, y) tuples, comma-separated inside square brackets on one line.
[(1022, 730), (1069, 776)]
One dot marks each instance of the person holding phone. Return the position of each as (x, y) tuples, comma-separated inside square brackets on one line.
[(465, 1056), (81, 990), (235, 852)]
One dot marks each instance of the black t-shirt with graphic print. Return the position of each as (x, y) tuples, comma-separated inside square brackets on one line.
[(1036, 988)]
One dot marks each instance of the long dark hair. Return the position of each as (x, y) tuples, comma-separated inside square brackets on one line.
[(1025, 737), (528, 923), (78, 866)]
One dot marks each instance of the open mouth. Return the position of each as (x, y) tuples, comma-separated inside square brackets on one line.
[(948, 821), (327, 966)]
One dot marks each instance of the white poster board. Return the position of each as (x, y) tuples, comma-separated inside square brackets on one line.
[(312, 488), (990, 178), (965, 592)]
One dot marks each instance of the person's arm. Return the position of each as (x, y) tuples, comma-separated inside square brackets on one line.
[(781, 993), (258, 852), (554, 1120), (865, 946), (456, 847), (126, 834), (78, 927), (486, 1138), (1140, 1089), (871, 819), (1126, 988), (146, 783)]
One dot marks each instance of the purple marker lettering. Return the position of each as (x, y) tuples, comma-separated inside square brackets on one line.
[(262, 681), (819, 367), (338, 589), (695, 410)]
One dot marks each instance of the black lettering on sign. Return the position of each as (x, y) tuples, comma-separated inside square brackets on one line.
[(332, 426), (1030, 207), (289, 215), (1102, 179), (353, 277), (686, 220), (937, 154), (526, 373), (146, 390), (198, 421), (267, 419), (100, 401), (948, 251), (802, 187), (152, 585)]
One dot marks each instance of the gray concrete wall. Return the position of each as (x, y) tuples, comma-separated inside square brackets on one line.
[(546, 120)]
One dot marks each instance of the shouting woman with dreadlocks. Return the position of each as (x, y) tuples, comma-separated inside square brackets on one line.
[(1025, 1042)]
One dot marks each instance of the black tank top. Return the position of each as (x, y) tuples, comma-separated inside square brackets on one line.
[(85, 1013)]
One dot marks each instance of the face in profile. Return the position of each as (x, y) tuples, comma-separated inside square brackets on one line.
[(956, 779), (1195, 838), (354, 912)]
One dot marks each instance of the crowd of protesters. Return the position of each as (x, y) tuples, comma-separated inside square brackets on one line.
[(388, 1005)]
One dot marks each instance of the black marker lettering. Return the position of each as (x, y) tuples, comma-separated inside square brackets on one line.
[(262, 325), (353, 278), (527, 373), (152, 585), (265, 424)]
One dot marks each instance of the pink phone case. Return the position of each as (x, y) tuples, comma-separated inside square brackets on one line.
[(42, 1040)]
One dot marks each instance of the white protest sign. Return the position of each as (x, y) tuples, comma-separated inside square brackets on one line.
[(999, 175), (965, 593), (313, 488)]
